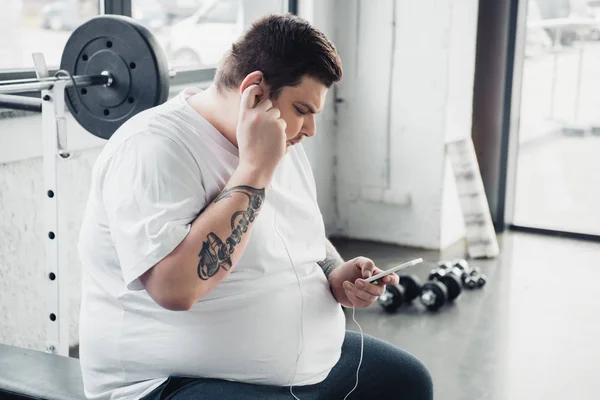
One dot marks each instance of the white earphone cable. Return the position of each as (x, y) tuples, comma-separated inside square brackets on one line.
[(302, 322), (361, 350), (301, 332), (359, 361)]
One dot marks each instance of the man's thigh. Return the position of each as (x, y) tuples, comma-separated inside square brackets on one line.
[(386, 372)]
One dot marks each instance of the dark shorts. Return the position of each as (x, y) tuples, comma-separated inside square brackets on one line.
[(386, 372)]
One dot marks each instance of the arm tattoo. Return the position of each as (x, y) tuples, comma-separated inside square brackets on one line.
[(215, 254), (332, 260)]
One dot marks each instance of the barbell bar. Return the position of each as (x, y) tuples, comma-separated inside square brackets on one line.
[(36, 85), (20, 103)]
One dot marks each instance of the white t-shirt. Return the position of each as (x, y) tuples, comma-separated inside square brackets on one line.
[(150, 182)]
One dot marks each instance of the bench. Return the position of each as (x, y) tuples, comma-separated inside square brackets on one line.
[(31, 374)]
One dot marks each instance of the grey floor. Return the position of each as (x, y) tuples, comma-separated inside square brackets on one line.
[(532, 333)]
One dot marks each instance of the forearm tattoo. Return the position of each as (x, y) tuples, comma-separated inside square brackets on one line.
[(214, 253), (332, 260)]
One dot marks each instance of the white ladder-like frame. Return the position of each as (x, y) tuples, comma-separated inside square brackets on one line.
[(53, 132)]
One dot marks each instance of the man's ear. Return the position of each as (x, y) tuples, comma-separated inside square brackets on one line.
[(255, 78)]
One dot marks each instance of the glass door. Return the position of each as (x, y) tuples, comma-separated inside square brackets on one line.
[(558, 161)]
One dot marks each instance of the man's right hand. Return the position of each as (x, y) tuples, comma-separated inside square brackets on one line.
[(260, 132)]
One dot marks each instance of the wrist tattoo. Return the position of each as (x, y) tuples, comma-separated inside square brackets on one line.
[(332, 260), (214, 253)]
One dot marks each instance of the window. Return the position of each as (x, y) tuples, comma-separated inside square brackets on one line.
[(29, 26), (557, 181), (193, 33), (196, 33), (222, 12)]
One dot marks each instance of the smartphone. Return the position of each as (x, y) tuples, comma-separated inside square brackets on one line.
[(375, 278)]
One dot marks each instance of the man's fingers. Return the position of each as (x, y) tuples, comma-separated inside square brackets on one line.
[(274, 112), (283, 124), (367, 266), (391, 279), (264, 105), (361, 293), (374, 290), (369, 298), (356, 301), (249, 96)]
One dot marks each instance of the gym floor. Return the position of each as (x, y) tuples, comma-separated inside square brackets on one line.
[(531, 333)]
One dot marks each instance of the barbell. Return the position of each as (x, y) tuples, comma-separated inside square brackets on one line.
[(114, 68)]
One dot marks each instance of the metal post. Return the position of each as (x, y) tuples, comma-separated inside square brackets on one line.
[(35, 85), (119, 7), (53, 114), (21, 102)]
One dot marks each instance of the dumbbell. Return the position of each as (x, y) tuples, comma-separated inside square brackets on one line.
[(436, 274), (435, 293), (404, 292), (463, 266), (475, 279), (470, 277), (445, 268)]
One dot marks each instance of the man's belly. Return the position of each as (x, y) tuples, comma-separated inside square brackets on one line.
[(252, 336)]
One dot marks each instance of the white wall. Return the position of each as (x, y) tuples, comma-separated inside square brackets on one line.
[(407, 91), (459, 107)]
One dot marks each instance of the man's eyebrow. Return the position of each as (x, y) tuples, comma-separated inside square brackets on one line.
[(310, 109)]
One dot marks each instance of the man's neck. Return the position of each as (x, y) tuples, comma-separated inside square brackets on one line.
[(219, 109)]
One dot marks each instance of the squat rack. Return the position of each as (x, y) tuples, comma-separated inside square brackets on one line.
[(52, 106)]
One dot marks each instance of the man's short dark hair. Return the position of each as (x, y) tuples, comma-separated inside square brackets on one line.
[(285, 48)]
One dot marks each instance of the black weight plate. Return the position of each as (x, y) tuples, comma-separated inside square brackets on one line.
[(436, 274), (440, 292), (134, 59), (397, 298), (412, 286), (453, 284)]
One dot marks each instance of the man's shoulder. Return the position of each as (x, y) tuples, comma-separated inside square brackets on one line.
[(145, 145), (158, 118), (154, 129)]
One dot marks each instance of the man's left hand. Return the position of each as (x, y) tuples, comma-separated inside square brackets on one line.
[(349, 287)]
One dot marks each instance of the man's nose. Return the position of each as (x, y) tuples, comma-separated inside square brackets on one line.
[(310, 126)]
